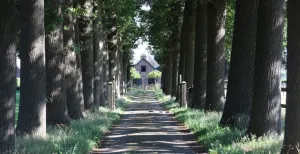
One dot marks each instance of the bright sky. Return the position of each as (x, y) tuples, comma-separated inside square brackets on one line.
[(141, 49)]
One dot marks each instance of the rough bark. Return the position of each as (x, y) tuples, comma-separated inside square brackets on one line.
[(112, 45), (240, 83), (184, 28), (199, 89), (176, 31), (168, 74), (56, 110), (8, 37), (216, 11), (73, 94), (105, 71), (189, 45), (86, 39), (292, 118), (265, 113), (97, 41), (32, 111)]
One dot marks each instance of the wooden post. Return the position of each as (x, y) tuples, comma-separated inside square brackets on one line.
[(183, 94), (110, 95), (114, 94), (179, 90)]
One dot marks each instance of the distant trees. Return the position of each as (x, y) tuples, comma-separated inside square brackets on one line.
[(8, 47)]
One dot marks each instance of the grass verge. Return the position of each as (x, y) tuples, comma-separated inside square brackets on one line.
[(80, 137), (216, 139)]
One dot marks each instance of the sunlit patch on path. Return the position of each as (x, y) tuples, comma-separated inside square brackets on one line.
[(146, 128)]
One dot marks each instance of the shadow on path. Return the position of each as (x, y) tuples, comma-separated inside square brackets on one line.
[(146, 128)]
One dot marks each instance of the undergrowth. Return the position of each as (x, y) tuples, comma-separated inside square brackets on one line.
[(79, 137), (216, 139)]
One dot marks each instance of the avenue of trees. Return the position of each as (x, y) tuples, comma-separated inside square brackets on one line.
[(195, 39), (69, 51)]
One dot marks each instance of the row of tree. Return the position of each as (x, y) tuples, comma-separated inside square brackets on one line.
[(188, 39), (69, 50)]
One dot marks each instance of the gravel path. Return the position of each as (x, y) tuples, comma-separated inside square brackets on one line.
[(146, 128)]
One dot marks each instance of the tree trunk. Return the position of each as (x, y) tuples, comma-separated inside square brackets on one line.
[(86, 39), (56, 110), (189, 45), (240, 83), (168, 70), (112, 45), (121, 73), (79, 68), (105, 71), (184, 28), (199, 89), (97, 41), (175, 61), (292, 118), (265, 113), (176, 32), (215, 55), (8, 37), (73, 94), (32, 111)]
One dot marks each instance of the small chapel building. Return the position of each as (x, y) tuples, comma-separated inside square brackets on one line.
[(144, 66)]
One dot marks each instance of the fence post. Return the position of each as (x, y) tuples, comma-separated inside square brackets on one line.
[(110, 95), (183, 94), (179, 90), (114, 94)]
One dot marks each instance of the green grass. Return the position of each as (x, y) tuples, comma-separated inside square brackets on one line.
[(79, 137), (216, 139)]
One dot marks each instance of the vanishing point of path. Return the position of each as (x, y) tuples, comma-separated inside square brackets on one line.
[(145, 127)]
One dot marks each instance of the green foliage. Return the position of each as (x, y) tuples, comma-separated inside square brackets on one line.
[(77, 138), (157, 25), (53, 18), (154, 74), (216, 139), (134, 74)]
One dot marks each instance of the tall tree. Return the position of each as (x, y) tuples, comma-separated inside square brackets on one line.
[(86, 39), (265, 113), (168, 69), (186, 63), (199, 93), (190, 43), (184, 27), (97, 42), (176, 9), (216, 10), (8, 37), (112, 43), (292, 126), (32, 111), (240, 83), (56, 111), (73, 93), (105, 75)]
